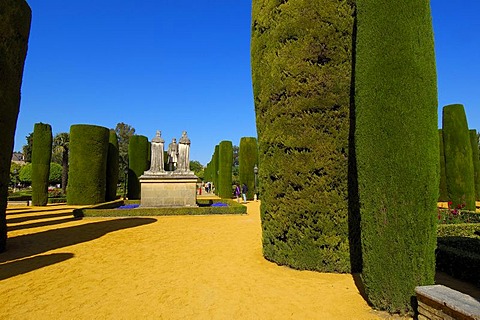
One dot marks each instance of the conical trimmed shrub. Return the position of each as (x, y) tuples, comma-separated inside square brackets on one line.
[(248, 159), (225, 163), (458, 157), (112, 167), (137, 164), (397, 149), (301, 53), (476, 162), (41, 157), (88, 164), (443, 174), (15, 18)]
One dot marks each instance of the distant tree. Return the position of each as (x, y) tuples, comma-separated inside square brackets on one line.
[(27, 149), (14, 172), (55, 175), (25, 174), (124, 132), (60, 146), (236, 164), (236, 154), (196, 167)]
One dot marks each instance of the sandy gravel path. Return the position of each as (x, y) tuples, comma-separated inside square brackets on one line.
[(184, 267)]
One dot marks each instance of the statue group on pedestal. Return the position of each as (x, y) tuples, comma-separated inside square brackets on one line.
[(178, 154)]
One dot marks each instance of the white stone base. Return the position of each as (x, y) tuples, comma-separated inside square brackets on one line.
[(168, 189)]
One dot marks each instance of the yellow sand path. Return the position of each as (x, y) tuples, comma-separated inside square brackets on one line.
[(177, 267)]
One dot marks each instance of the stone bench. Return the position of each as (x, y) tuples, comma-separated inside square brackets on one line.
[(439, 302)]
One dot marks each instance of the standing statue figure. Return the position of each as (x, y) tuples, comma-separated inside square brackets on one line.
[(172, 155), (184, 153), (156, 163)]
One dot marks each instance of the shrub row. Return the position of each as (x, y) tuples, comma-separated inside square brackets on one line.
[(107, 210), (225, 162), (459, 230), (476, 162), (459, 257), (138, 150)]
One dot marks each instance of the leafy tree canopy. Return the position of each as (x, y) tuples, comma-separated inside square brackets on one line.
[(27, 149)]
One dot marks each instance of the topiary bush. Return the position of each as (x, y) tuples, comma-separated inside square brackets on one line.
[(225, 162), (458, 157), (112, 167), (443, 175), (15, 18), (476, 162), (137, 164), (88, 164), (397, 149), (301, 53), (216, 168), (41, 157), (248, 159)]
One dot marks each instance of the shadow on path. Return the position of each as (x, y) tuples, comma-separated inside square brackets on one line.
[(38, 217), (14, 268), (28, 245), (40, 224)]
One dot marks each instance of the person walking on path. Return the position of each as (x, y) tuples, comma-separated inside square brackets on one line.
[(244, 192), (237, 192)]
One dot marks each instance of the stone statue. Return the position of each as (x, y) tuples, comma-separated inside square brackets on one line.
[(184, 153), (172, 155), (156, 163)]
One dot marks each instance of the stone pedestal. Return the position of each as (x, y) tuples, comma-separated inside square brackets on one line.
[(168, 189)]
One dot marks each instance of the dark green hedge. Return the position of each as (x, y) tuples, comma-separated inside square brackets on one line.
[(397, 149), (137, 164), (15, 18), (88, 164), (460, 258), (458, 157), (225, 163), (112, 167), (443, 174), (216, 167), (248, 158), (301, 53), (41, 156), (108, 210), (460, 230), (476, 162)]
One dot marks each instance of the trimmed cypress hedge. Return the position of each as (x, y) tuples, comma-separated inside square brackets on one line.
[(15, 18), (225, 163), (112, 167), (476, 162), (88, 164), (301, 53), (137, 164), (248, 158), (216, 168), (443, 174), (41, 157), (458, 157), (397, 149)]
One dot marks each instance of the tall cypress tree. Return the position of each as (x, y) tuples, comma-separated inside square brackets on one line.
[(476, 162), (41, 157), (15, 18), (397, 148), (88, 164), (458, 157), (112, 167), (248, 159), (301, 53), (225, 162), (216, 168), (443, 174), (137, 164)]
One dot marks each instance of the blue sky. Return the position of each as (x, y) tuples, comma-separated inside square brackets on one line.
[(184, 65)]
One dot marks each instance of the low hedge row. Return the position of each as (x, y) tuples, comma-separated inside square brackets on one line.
[(459, 257), (109, 209), (458, 230)]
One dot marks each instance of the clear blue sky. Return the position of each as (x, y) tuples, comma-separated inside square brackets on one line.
[(185, 65)]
